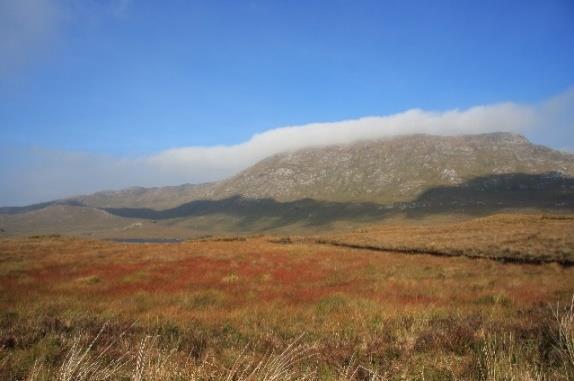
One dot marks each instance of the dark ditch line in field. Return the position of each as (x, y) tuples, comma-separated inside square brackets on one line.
[(439, 253)]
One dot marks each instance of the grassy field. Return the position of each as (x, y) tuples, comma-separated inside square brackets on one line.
[(507, 237), (266, 308)]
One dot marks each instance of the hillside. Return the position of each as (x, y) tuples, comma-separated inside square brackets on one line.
[(61, 218), (381, 171), (137, 197), (393, 170), (323, 187)]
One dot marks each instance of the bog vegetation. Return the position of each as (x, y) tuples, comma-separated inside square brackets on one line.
[(268, 308)]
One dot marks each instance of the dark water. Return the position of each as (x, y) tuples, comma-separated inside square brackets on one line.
[(146, 240)]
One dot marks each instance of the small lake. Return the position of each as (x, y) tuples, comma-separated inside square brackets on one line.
[(146, 240)]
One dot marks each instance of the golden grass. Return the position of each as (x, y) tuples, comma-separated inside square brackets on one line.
[(195, 307), (529, 238)]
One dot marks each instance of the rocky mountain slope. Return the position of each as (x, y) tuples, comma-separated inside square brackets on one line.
[(392, 170), (365, 181), (382, 171)]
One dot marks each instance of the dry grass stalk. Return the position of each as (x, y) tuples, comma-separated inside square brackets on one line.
[(564, 337), (79, 365), (273, 367)]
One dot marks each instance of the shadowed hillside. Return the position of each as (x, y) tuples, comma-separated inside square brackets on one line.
[(551, 191), (488, 194), (480, 196), (329, 187), (312, 211), (381, 171)]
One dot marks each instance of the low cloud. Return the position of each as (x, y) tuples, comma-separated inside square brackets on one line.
[(224, 160), (39, 175)]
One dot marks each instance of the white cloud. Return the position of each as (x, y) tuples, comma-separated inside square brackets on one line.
[(26, 28), (222, 161), (31, 28), (555, 121), (43, 175)]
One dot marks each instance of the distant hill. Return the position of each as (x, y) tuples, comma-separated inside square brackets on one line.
[(361, 182), (136, 197), (61, 218)]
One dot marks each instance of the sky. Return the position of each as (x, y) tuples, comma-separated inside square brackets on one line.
[(107, 94)]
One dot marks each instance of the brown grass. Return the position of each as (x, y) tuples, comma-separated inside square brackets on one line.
[(511, 237), (212, 308)]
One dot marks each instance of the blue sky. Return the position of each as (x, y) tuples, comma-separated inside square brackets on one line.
[(111, 81)]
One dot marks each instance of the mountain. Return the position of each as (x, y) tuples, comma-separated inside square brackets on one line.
[(136, 197), (391, 170), (382, 171), (321, 187)]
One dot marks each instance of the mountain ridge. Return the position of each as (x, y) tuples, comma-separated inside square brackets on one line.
[(318, 187), (392, 167), (391, 170)]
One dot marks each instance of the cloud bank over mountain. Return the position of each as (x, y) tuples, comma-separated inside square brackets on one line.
[(35, 175)]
